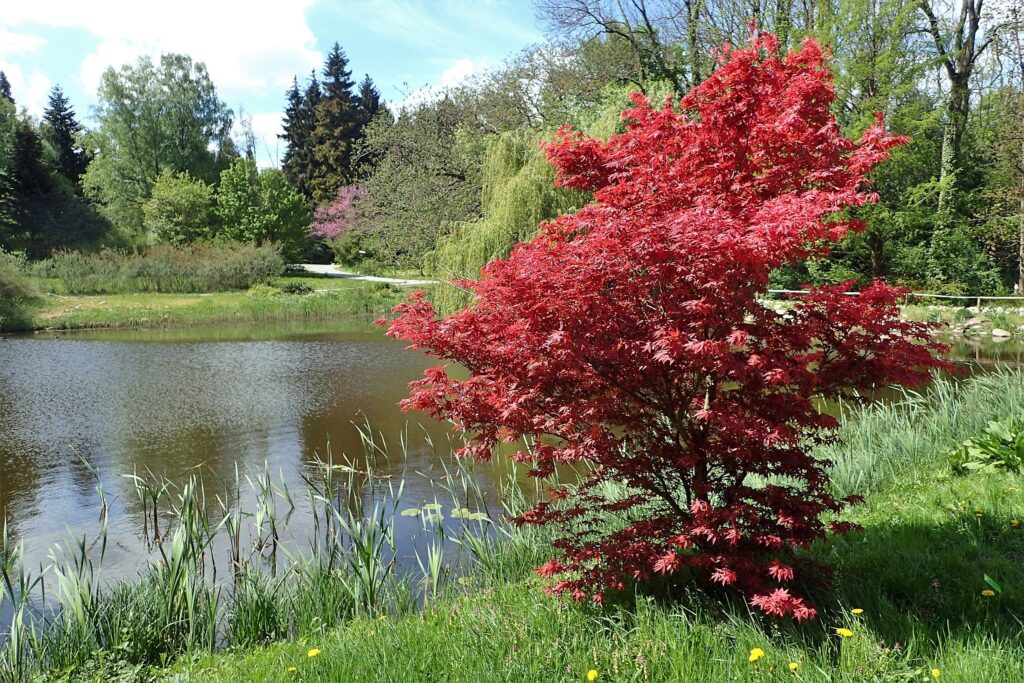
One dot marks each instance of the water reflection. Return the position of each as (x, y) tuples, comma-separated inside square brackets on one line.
[(178, 403)]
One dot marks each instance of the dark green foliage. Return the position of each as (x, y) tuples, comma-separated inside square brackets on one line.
[(351, 249), (5, 88), (62, 131), (368, 105), (16, 291), (337, 128), (199, 267), (31, 175), (298, 288), (299, 123), (324, 129)]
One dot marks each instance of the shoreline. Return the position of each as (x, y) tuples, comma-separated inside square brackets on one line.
[(59, 312)]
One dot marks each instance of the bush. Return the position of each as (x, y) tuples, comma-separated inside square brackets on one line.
[(298, 288), (1000, 446), (180, 210), (261, 206), (16, 291), (350, 249), (199, 267)]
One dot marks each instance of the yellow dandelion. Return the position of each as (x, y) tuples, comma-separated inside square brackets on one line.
[(314, 652), (936, 673), (857, 611), (755, 654), (988, 593), (592, 675), (1014, 522), (793, 666), (845, 632), (292, 669)]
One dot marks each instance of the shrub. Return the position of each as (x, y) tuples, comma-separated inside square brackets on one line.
[(198, 267), (351, 249), (298, 288), (180, 210), (261, 206), (628, 337), (340, 217)]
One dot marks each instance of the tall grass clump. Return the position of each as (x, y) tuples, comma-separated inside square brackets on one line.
[(189, 268), (219, 573), (17, 292), (899, 440)]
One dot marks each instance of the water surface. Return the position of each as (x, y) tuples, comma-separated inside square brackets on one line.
[(203, 401)]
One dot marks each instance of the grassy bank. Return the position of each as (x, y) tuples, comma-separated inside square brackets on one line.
[(936, 577), (330, 298), (917, 570)]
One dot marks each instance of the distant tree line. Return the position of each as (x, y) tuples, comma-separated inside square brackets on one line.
[(161, 165), (448, 180)]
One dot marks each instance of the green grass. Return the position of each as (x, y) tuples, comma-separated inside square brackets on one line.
[(917, 570), (338, 297), (930, 542)]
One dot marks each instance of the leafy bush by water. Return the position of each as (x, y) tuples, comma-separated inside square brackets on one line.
[(198, 267), (999, 446)]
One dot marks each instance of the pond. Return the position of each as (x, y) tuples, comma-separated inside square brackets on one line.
[(182, 402)]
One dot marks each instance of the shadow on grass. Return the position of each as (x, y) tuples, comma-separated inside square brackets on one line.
[(916, 583)]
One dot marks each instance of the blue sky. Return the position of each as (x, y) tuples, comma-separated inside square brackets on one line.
[(253, 48)]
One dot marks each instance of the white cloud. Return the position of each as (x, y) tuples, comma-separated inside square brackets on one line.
[(455, 75), (31, 87), (255, 45), (14, 43)]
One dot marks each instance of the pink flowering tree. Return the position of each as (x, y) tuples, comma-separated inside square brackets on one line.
[(341, 216)]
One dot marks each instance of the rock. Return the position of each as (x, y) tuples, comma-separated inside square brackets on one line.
[(974, 322), (1000, 333)]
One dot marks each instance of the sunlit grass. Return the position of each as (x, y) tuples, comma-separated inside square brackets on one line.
[(933, 582), (343, 297)]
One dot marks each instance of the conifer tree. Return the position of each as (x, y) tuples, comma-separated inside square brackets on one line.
[(5, 88), (62, 129), (299, 123), (337, 127), (368, 101), (291, 128)]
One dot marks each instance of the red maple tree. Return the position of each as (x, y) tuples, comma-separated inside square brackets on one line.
[(630, 337)]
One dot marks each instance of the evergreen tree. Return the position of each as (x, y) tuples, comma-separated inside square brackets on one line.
[(337, 127), (299, 124), (368, 102), (62, 130), (5, 88), (31, 174)]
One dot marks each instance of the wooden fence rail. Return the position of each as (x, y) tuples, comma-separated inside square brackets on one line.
[(923, 295)]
